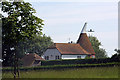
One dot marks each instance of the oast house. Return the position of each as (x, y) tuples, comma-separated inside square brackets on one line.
[(81, 49)]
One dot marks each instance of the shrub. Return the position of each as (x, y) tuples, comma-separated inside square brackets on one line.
[(79, 61)]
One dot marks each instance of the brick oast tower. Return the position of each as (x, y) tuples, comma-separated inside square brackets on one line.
[(84, 42)]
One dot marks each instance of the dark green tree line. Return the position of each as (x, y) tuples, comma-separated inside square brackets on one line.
[(37, 45)]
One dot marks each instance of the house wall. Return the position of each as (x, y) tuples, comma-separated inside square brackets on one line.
[(52, 53), (72, 56)]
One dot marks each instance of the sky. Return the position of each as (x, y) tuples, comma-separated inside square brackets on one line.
[(64, 20)]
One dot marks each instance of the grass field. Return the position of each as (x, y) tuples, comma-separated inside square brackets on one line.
[(95, 72)]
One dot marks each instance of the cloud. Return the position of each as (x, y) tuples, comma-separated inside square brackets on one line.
[(70, 15)]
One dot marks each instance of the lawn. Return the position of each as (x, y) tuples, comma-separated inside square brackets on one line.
[(93, 72)]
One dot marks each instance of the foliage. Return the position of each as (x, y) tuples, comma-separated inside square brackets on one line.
[(19, 24), (63, 66), (118, 51), (38, 45), (100, 52), (116, 56), (79, 61)]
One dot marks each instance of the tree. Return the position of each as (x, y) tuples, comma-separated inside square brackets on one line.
[(116, 56), (117, 50), (100, 52), (19, 24), (38, 45)]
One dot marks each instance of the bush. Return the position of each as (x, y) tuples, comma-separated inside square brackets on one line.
[(64, 66), (79, 61)]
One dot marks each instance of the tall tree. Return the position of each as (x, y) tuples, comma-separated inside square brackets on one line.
[(100, 52), (38, 45), (19, 24)]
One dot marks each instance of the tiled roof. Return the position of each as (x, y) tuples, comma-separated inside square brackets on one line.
[(37, 57), (29, 59), (85, 43), (69, 48)]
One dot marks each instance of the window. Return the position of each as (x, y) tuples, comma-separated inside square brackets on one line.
[(79, 57), (46, 57), (57, 57)]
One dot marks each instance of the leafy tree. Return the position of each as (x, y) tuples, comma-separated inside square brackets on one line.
[(18, 24), (116, 56), (118, 51), (100, 52), (38, 45)]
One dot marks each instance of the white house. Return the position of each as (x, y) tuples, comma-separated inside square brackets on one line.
[(81, 49)]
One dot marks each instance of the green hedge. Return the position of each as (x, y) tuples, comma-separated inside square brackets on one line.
[(79, 61), (64, 66)]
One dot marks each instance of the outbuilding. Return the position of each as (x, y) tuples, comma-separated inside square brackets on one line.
[(31, 60)]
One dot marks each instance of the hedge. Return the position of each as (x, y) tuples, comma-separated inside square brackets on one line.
[(64, 66), (79, 61)]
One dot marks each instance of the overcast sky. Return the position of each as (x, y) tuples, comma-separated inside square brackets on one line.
[(64, 20)]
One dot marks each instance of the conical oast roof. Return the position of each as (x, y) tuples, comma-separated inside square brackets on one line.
[(85, 42)]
